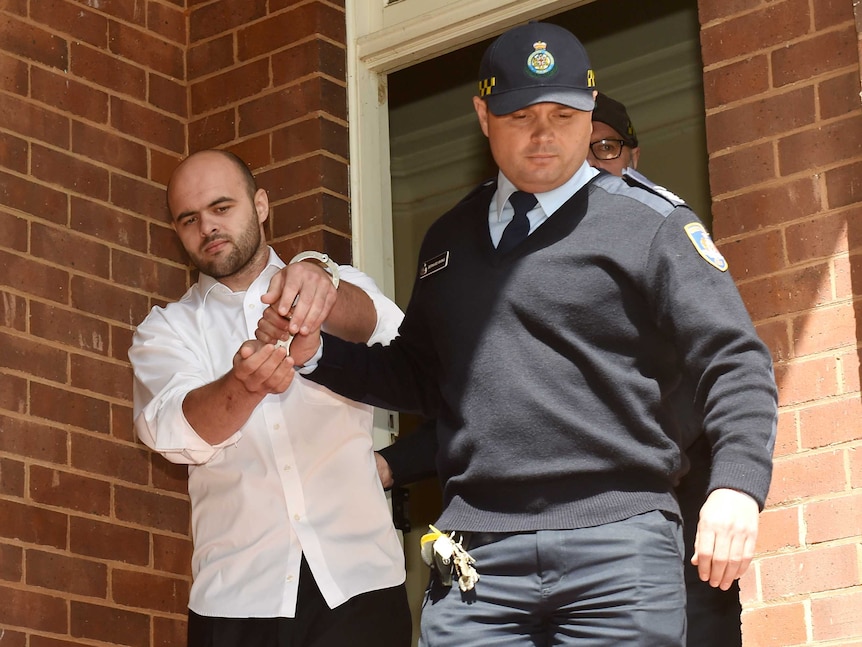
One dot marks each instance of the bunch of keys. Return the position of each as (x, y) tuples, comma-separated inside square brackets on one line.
[(448, 556)]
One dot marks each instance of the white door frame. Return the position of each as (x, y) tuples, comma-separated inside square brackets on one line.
[(381, 39)]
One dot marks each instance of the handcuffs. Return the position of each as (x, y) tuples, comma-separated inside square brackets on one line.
[(448, 558), (329, 266)]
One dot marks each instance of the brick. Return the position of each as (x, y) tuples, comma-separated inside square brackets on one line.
[(822, 146), (96, 455), (799, 477), (709, 10), (11, 563), (779, 529), (13, 392), (132, 12), (844, 185), (32, 610), (30, 120), (831, 12), (162, 165), (107, 71), (109, 541), (776, 335), (839, 95), (814, 571), (70, 249), (171, 477), (14, 153), (101, 376), (169, 22), (302, 138), (69, 327), (168, 632), (741, 168), (110, 148), (210, 56), (213, 131), (26, 438), (787, 437), (14, 75), (66, 573), (834, 518), (825, 329), (759, 119), (772, 25), (60, 92), (269, 35), (218, 18), (825, 236), (304, 176), (837, 617), (172, 554), (150, 591), (338, 247), (168, 95), (122, 427), (148, 125), (807, 380), (70, 172), (74, 19), (136, 195), (792, 291), (308, 58), (315, 210), (854, 456), (31, 42), (32, 358), (830, 423), (13, 309), (18, 7), (31, 524), (230, 86), (66, 407), (152, 509), (812, 57), (11, 481), (43, 641), (293, 102), (108, 224), (165, 244), (851, 373), (146, 49), (755, 255), (33, 198), (148, 274), (121, 341), (256, 151), (736, 81), (108, 300), (775, 625), (109, 624), (70, 491), (13, 232)]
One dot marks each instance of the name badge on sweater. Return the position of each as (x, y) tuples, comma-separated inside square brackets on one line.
[(434, 265)]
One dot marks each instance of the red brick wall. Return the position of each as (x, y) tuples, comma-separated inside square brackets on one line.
[(784, 131), (97, 105)]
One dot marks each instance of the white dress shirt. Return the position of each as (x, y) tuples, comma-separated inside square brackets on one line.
[(298, 477)]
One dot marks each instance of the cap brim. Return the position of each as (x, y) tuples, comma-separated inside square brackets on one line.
[(506, 102)]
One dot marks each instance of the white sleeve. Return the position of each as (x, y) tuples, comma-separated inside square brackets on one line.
[(389, 315)]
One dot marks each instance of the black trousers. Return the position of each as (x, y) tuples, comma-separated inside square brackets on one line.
[(374, 619)]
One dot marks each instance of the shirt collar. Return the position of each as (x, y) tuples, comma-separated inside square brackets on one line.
[(273, 265), (551, 200)]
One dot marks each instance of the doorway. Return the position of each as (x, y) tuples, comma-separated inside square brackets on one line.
[(646, 55)]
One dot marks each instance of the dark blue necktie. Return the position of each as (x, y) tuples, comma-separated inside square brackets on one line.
[(517, 230)]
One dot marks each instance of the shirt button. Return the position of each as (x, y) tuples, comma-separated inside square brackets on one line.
[(287, 468), (290, 578), (296, 517)]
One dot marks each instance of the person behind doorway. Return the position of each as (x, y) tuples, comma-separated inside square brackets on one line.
[(552, 310), (293, 538)]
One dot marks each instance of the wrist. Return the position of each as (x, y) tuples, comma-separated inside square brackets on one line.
[(328, 265)]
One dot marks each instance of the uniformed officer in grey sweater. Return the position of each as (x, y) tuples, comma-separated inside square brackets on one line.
[(552, 310)]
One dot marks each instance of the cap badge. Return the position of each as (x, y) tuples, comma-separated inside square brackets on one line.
[(486, 86), (541, 61)]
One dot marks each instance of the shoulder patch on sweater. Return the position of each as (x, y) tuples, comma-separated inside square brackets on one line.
[(702, 242), (633, 178)]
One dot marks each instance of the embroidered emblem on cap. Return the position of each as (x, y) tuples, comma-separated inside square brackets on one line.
[(541, 61), (704, 245)]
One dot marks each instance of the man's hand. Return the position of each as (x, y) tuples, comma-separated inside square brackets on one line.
[(302, 295), (262, 368), (726, 535), (383, 471)]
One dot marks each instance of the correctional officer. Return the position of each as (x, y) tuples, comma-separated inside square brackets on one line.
[(552, 310)]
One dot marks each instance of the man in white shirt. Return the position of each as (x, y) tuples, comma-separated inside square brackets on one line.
[(293, 540)]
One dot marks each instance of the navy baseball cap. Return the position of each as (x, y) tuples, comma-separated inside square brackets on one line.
[(614, 114), (536, 63)]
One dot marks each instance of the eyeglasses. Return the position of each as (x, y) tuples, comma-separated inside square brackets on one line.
[(607, 149)]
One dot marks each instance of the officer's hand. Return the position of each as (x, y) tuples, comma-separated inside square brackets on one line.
[(726, 535), (303, 294)]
